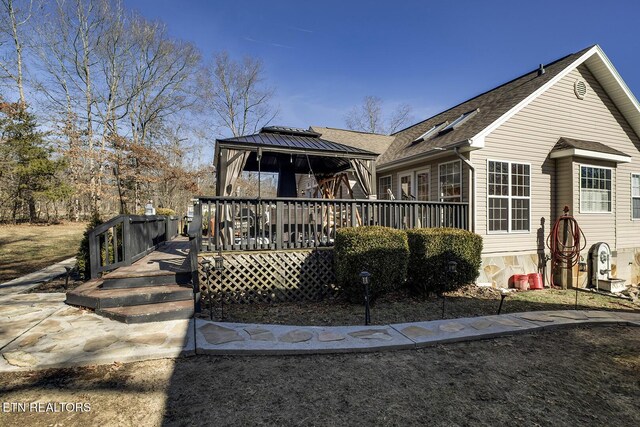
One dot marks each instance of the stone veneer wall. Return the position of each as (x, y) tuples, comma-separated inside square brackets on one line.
[(497, 269)]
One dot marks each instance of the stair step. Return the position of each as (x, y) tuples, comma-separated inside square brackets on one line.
[(161, 278), (146, 295), (171, 310)]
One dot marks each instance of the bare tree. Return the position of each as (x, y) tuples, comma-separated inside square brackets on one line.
[(368, 117), (236, 93), (11, 23), (399, 118)]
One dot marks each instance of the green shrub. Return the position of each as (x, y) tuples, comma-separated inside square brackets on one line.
[(431, 250), (165, 211), (381, 251), (82, 257)]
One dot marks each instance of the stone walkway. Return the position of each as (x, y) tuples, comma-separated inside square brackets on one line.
[(29, 281), (39, 331)]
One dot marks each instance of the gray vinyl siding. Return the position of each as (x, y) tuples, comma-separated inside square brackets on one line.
[(530, 135), (563, 188)]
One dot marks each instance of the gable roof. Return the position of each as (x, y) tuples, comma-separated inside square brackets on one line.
[(501, 103), (374, 142)]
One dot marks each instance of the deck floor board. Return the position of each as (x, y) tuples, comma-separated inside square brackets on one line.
[(170, 258)]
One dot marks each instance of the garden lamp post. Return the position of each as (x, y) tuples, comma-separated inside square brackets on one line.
[(206, 265), (364, 277), (66, 279), (219, 266), (503, 295), (452, 268)]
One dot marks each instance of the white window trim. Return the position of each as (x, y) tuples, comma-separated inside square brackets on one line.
[(440, 197), (426, 170), (580, 165), (509, 197), (631, 192), (413, 184)]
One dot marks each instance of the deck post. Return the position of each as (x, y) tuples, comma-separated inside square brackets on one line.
[(94, 254), (279, 224), (126, 240)]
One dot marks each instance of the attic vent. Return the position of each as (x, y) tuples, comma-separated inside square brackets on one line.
[(580, 88)]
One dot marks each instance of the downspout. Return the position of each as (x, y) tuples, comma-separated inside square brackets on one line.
[(472, 189)]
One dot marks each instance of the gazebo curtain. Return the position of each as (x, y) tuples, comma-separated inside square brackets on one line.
[(230, 166), (362, 171)]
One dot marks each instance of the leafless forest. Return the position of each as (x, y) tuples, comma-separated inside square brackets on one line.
[(101, 110)]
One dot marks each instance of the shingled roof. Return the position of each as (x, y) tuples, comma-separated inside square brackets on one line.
[(374, 142), (490, 106), (568, 143)]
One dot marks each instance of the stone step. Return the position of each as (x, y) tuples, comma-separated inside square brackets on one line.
[(148, 295), (92, 295), (171, 310)]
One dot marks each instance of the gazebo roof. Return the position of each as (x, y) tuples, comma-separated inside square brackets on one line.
[(299, 150)]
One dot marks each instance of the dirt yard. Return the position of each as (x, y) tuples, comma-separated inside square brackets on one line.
[(26, 248), (583, 376), (400, 307)]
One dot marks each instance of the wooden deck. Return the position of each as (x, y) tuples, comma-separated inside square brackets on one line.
[(171, 257)]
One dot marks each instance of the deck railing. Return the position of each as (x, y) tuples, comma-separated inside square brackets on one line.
[(235, 224), (125, 239)]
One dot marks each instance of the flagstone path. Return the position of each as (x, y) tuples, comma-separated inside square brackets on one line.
[(39, 331)]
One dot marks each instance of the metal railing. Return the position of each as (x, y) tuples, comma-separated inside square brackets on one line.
[(125, 239), (235, 224)]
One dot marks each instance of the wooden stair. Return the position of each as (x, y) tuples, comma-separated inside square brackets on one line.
[(153, 289)]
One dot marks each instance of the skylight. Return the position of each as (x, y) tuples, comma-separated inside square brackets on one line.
[(430, 132), (460, 120)]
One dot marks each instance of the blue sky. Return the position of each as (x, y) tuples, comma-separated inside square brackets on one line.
[(322, 57)]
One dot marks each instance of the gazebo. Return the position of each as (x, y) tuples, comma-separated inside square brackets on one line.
[(287, 152)]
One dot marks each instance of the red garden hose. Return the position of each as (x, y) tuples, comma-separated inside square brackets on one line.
[(565, 249)]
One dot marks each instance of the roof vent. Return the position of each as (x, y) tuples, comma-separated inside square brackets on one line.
[(541, 70), (580, 89)]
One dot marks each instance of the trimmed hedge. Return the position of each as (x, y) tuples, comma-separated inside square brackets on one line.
[(381, 251), (432, 249)]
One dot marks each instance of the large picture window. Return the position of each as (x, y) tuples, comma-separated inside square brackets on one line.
[(384, 187), (450, 178), (635, 196), (509, 196), (595, 189)]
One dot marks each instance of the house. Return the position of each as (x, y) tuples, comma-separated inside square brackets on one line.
[(503, 164), (566, 133)]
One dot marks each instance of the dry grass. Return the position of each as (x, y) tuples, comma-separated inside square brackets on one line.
[(402, 307), (568, 377), (26, 248)]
